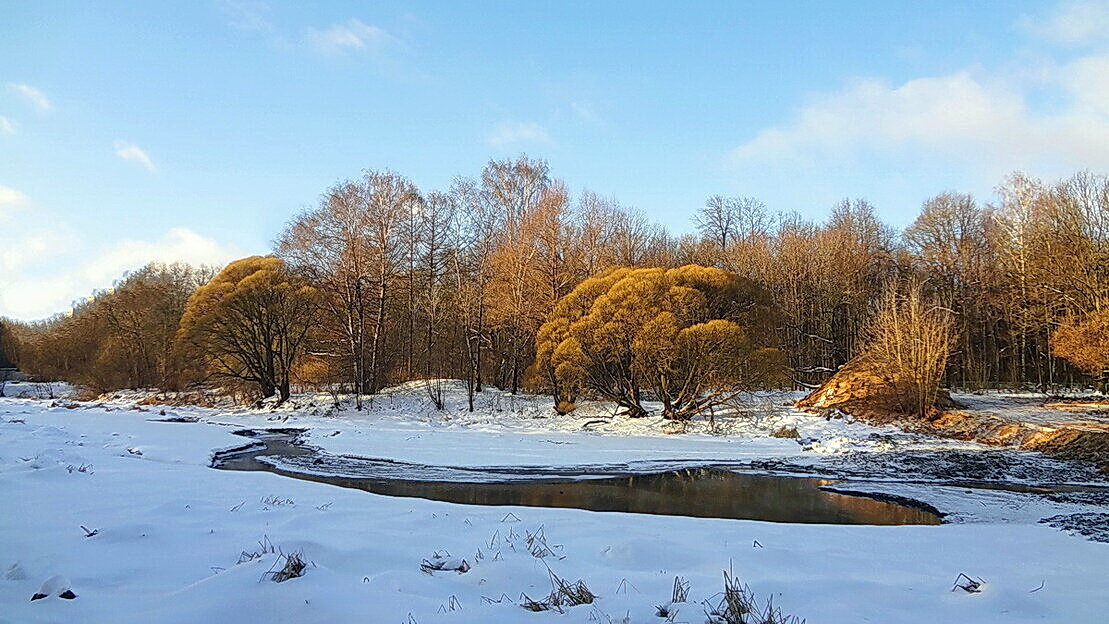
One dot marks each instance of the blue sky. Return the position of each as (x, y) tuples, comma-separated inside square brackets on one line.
[(132, 131)]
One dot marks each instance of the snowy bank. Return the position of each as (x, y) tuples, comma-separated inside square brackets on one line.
[(170, 531)]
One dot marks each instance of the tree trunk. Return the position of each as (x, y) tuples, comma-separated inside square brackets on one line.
[(268, 388)]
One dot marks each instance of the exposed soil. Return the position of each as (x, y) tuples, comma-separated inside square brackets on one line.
[(1067, 429)]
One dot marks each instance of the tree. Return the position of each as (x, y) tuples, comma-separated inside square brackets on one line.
[(352, 247), (473, 233), (140, 317), (1084, 342), (513, 190), (251, 323), (691, 337), (717, 221), (8, 353), (950, 250), (9, 345), (729, 221), (389, 198), (329, 246), (118, 338), (906, 343)]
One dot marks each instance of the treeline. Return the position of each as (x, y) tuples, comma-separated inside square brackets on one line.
[(122, 337), (1014, 273), (404, 284)]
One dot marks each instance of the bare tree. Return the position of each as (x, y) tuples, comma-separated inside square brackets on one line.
[(907, 342), (330, 245), (389, 198)]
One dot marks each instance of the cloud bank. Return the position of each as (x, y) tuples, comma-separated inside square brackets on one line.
[(971, 126), (43, 270)]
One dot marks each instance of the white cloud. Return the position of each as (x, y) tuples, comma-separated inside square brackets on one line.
[(130, 151), (353, 35), (31, 300), (180, 244), (1087, 81), (1078, 23), (246, 14), (43, 271), (33, 95), (7, 126), (985, 124), (585, 111), (11, 198), (514, 132), (36, 246)]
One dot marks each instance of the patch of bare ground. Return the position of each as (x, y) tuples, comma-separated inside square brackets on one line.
[(1091, 525), (1069, 439), (1079, 433)]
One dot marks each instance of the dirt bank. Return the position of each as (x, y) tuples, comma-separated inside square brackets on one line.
[(1068, 429)]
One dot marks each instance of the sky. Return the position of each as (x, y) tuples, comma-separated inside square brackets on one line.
[(140, 131)]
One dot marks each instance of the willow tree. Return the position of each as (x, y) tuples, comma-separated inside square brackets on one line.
[(250, 323), (690, 337)]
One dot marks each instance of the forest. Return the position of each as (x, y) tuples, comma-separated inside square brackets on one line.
[(501, 279)]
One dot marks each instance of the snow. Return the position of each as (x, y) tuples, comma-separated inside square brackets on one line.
[(36, 390), (170, 530), (1036, 409), (507, 430)]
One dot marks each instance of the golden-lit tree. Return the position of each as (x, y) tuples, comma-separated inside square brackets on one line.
[(352, 247), (9, 347), (466, 280), (1084, 342), (689, 337), (250, 323), (120, 337)]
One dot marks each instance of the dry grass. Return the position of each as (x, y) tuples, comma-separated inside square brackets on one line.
[(681, 590), (679, 595), (967, 584), (265, 547), (443, 562), (907, 342), (293, 567), (276, 501), (737, 605), (785, 432), (563, 594)]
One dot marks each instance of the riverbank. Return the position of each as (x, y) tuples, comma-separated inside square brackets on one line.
[(169, 530)]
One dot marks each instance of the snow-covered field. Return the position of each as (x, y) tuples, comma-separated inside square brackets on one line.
[(170, 530)]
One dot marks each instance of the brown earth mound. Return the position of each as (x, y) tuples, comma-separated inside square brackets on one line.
[(857, 391)]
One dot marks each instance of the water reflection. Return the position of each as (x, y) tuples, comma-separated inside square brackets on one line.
[(701, 492)]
